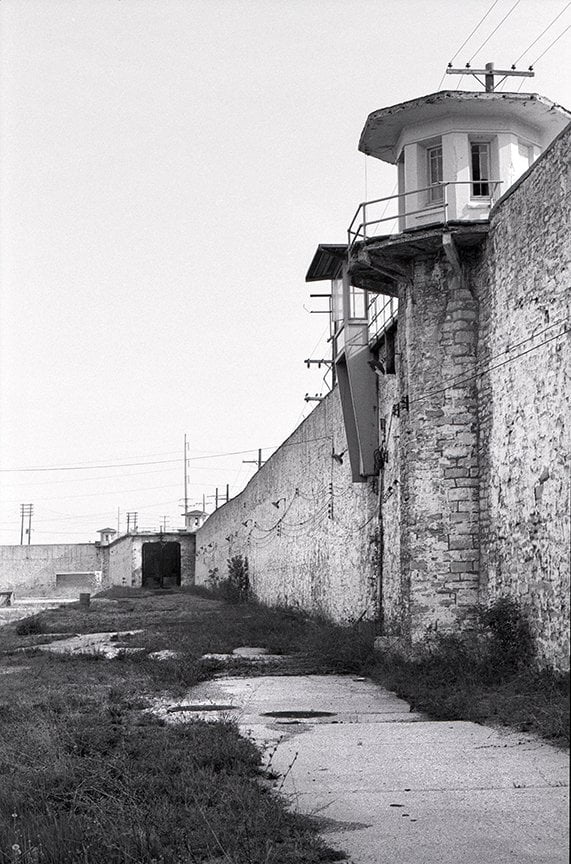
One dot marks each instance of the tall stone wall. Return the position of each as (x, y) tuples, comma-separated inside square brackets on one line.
[(525, 399), (393, 594), (33, 569), (308, 532), (439, 458)]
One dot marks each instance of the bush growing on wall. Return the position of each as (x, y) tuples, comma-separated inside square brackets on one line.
[(511, 644), (237, 588)]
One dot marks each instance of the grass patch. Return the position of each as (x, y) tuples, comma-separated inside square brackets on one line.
[(31, 626), (446, 687), (93, 778), (87, 782), (489, 676)]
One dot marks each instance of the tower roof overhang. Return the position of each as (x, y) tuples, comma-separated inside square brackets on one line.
[(326, 262), (383, 130)]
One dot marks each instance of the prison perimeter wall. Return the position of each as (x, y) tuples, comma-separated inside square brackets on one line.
[(309, 533), (525, 399)]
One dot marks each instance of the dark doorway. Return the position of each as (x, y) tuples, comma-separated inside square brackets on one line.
[(161, 565)]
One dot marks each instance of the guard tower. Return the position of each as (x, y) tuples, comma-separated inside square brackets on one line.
[(106, 536), (414, 301), (456, 153), (194, 519)]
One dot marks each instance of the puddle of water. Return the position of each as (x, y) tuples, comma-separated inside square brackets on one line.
[(301, 714), (177, 708)]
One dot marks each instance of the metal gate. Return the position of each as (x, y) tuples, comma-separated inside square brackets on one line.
[(161, 565)]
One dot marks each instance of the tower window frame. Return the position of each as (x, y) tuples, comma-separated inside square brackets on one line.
[(434, 174), (480, 169)]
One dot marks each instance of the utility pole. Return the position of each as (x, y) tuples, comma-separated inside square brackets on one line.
[(26, 511), (217, 497), (132, 521), (185, 475), (259, 461), (490, 73)]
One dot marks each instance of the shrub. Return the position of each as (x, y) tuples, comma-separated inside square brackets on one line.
[(511, 644), (236, 588), (30, 626)]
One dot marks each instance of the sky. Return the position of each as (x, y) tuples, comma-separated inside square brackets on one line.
[(167, 170)]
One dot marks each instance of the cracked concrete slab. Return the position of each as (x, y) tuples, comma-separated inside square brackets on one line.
[(108, 644), (394, 786)]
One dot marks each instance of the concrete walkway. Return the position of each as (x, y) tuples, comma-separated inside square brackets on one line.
[(393, 786)]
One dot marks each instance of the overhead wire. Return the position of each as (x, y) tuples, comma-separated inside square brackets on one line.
[(85, 467), (460, 376), (543, 32), (465, 42), (496, 28), (482, 372), (543, 53)]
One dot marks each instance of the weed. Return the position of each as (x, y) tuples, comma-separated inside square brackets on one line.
[(90, 787), (488, 676), (31, 626), (511, 642)]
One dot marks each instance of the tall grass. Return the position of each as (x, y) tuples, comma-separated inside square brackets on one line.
[(93, 784)]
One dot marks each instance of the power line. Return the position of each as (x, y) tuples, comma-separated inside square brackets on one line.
[(111, 492), (89, 467), (551, 45), (496, 28), (543, 32), (465, 42), (480, 373), (458, 378)]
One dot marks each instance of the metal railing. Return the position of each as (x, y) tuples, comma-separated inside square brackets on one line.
[(382, 311), (362, 230)]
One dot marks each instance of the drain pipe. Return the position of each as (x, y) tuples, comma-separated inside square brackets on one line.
[(381, 545)]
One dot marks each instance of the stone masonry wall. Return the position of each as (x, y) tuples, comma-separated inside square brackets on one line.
[(439, 458), (32, 569), (525, 399), (307, 530), (392, 590)]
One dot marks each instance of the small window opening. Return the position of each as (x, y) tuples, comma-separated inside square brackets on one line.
[(337, 300), (387, 349), (435, 175), (357, 302), (480, 170), (525, 152)]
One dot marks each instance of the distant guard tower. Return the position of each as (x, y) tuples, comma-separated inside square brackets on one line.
[(194, 519), (106, 536)]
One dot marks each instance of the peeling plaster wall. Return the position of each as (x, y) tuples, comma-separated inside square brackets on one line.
[(525, 402), (32, 569), (121, 567), (314, 550)]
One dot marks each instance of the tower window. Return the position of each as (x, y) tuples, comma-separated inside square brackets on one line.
[(357, 302), (480, 154), (435, 175)]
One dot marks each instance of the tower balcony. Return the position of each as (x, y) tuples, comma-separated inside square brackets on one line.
[(440, 204)]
